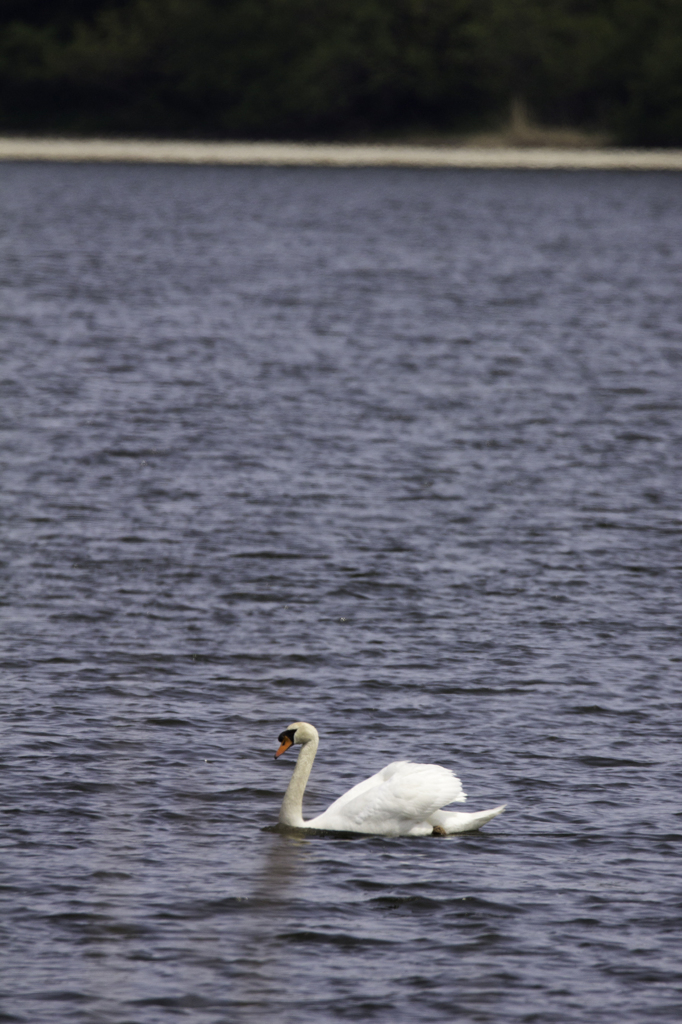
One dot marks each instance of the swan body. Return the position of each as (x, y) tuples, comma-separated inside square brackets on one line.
[(403, 799)]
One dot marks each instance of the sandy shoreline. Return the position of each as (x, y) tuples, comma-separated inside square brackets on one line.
[(334, 154)]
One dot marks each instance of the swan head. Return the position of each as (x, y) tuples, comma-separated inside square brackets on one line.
[(298, 732)]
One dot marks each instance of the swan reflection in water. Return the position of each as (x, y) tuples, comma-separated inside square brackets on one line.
[(403, 799), (261, 968)]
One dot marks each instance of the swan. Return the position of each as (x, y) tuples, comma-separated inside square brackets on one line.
[(403, 799)]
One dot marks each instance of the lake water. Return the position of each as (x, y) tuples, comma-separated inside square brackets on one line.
[(393, 451)]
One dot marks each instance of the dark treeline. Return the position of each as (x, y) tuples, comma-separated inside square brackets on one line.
[(339, 68)]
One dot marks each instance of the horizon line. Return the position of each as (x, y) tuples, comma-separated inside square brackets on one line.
[(332, 154)]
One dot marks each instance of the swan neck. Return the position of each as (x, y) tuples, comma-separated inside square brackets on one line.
[(292, 806)]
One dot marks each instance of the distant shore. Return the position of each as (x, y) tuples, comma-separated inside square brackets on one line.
[(300, 154)]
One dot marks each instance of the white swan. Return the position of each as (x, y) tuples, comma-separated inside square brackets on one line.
[(403, 799)]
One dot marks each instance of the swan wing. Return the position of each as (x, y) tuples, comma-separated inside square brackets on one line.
[(393, 801), (367, 784)]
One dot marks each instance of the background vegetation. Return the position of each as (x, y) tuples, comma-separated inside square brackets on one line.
[(339, 68)]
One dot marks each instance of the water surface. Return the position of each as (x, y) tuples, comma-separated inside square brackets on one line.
[(393, 451)]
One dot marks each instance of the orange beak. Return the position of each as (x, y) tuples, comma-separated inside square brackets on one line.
[(286, 743)]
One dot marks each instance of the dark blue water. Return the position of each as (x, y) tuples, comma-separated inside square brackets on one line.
[(393, 451)]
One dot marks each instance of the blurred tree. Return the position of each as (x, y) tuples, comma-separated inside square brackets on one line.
[(247, 66), (646, 72), (296, 68), (551, 54)]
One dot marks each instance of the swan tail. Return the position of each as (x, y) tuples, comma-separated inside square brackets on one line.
[(461, 821)]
